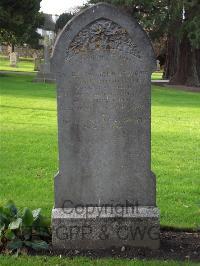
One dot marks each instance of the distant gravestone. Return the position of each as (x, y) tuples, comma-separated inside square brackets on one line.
[(44, 74), (37, 62), (13, 59), (158, 65), (105, 192)]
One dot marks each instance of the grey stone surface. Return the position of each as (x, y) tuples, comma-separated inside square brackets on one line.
[(37, 63), (44, 74), (158, 65), (13, 59), (104, 228), (103, 62)]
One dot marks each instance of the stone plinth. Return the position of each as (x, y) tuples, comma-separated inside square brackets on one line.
[(100, 228)]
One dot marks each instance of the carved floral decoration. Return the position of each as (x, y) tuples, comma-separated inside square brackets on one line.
[(102, 34)]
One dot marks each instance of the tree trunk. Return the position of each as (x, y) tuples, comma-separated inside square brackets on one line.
[(12, 48), (175, 21), (171, 57), (197, 56), (188, 65)]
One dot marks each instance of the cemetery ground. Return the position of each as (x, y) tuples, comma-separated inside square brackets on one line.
[(27, 65), (29, 161), (24, 65)]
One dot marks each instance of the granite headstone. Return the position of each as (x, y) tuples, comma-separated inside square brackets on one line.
[(105, 192)]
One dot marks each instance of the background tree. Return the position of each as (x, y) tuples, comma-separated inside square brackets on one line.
[(19, 20), (62, 21), (188, 38), (178, 22)]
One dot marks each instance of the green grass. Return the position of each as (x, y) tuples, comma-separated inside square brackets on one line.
[(157, 75), (175, 156), (29, 157), (42, 260), (23, 65), (28, 141), (29, 148)]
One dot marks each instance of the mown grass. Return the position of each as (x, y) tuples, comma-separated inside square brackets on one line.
[(78, 261), (157, 75), (29, 157), (25, 65), (29, 148), (175, 156), (28, 141), (22, 66)]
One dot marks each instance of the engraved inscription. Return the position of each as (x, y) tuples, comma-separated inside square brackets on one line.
[(103, 34), (113, 91)]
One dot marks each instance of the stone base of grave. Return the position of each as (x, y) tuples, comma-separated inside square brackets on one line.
[(44, 77), (100, 228)]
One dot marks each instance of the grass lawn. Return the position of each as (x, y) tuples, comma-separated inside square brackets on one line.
[(23, 65), (28, 66), (29, 154), (29, 148), (157, 75), (41, 260)]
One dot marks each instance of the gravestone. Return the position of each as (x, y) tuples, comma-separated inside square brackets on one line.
[(13, 59), (44, 74), (105, 192), (158, 65), (37, 62)]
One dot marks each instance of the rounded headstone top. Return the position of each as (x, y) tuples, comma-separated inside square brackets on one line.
[(102, 26)]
